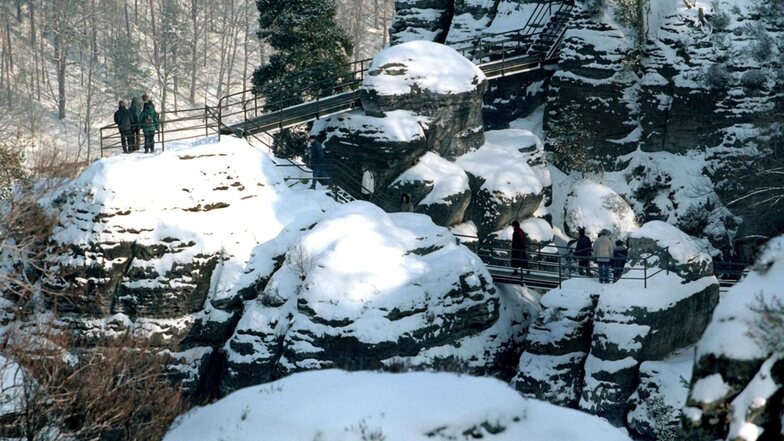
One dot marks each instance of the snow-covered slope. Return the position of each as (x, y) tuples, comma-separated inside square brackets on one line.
[(334, 405)]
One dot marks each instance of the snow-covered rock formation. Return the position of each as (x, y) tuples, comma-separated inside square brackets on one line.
[(421, 133), (364, 289), (738, 387), (336, 405), (586, 346), (238, 279)]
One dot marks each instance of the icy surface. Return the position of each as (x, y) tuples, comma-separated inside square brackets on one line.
[(334, 405)]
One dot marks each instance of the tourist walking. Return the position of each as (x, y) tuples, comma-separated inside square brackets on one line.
[(583, 252), (149, 123), (124, 120), (619, 259), (603, 252), (519, 257), (316, 152), (368, 183)]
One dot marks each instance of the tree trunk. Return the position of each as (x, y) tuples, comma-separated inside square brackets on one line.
[(60, 62)]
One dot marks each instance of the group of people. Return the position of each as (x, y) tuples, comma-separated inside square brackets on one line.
[(606, 254), (131, 121)]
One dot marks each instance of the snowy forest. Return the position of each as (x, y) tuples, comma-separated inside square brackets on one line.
[(392, 220)]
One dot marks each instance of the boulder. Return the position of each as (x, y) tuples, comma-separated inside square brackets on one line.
[(438, 188), (673, 250), (431, 80), (596, 207), (409, 296), (420, 20)]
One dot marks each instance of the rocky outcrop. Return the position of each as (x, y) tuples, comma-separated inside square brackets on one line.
[(596, 207), (586, 347), (737, 388), (411, 297), (673, 250), (557, 344)]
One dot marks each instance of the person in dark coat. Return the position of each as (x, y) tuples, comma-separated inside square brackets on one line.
[(149, 123), (619, 259), (583, 252), (405, 203), (316, 152), (519, 257), (137, 105), (124, 120)]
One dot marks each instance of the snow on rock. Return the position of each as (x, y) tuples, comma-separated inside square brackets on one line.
[(676, 250), (597, 207), (438, 188), (161, 258), (363, 287), (421, 66), (431, 80), (557, 344), (655, 407), (337, 405), (504, 186), (536, 230), (739, 358)]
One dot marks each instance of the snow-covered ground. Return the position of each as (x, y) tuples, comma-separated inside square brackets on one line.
[(335, 405)]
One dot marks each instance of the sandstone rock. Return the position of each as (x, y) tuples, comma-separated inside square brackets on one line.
[(676, 250), (420, 20), (410, 293), (597, 207), (431, 80)]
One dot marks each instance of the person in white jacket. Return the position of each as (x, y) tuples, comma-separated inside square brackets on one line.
[(603, 252), (368, 182)]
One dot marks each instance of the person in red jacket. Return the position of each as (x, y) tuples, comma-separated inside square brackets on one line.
[(519, 257)]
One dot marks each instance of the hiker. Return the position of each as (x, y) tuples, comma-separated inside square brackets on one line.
[(603, 252), (137, 105), (519, 258), (619, 259), (405, 203), (124, 121), (368, 182), (149, 123), (316, 161), (583, 252)]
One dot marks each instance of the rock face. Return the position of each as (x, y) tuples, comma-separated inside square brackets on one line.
[(411, 296), (738, 383), (596, 207), (677, 251), (693, 93)]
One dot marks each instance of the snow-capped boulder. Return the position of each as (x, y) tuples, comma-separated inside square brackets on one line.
[(597, 207), (332, 405), (432, 80), (739, 373), (504, 187), (130, 252), (557, 344), (437, 187), (364, 289), (677, 251)]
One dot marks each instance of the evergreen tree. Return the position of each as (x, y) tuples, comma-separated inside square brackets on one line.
[(311, 51)]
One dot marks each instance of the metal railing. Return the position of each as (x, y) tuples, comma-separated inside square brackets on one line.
[(549, 265), (175, 125)]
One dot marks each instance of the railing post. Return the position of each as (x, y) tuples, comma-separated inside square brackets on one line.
[(645, 274), (220, 117), (206, 121), (559, 271)]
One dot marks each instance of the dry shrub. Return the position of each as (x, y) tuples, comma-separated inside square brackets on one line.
[(116, 390)]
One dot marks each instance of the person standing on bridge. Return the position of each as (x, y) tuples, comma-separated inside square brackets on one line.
[(519, 257), (137, 105), (603, 252), (149, 122), (583, 252), (316, 152), (124, 121), (619, 259), (368, 182)]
